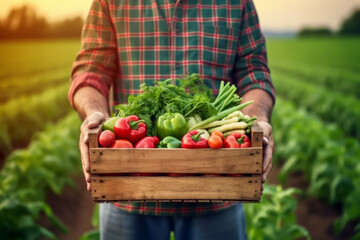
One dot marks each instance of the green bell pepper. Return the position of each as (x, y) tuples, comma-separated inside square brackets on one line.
[(170, 142), (171, 124)]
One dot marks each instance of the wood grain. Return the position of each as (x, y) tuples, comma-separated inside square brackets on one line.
[(245, 160), (94, 136), (176, 188), (256, 136)]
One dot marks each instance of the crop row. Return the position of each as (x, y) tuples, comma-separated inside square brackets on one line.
[(329, 159), (330, 106), (345, 83), (48, 162), (274, 218), (21, 117), (22, 86), (33, 57), (334, 55)]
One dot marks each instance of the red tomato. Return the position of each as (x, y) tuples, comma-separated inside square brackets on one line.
[(122, 143), (106, 138), (218, 133)]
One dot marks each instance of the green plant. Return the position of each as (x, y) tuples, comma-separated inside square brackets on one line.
[(328, 158), (273, 217), (22, 117), (28, 174)]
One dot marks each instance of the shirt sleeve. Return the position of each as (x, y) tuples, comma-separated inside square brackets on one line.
[(96, 63), (251, 70)]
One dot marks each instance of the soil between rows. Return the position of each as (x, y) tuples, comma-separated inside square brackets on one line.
[(315, 215), (74, 208)]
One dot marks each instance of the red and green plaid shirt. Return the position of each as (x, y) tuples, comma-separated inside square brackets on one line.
[(129, 42)]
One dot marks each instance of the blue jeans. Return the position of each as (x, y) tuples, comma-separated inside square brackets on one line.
[(228, 224)]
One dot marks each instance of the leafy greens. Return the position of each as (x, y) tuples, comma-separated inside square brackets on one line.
[(166, 97)]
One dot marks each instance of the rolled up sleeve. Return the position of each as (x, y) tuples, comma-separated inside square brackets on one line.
[(251, 69), (96, 63)]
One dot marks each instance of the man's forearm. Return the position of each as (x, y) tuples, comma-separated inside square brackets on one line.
[(88, 100), (262, 106)]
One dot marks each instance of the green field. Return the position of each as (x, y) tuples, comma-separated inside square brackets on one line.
[(316, 124)]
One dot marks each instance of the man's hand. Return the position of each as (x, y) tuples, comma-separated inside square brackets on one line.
[(93, 108), (262, 107), (92, 121), (268, 150)]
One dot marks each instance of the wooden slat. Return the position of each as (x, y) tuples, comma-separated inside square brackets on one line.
[(94, 136), (176, 188), (256, 136), (245, 160)]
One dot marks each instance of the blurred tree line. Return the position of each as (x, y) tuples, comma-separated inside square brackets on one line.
[(23, 23), (350, 26)]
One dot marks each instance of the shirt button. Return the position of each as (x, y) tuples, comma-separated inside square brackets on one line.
[(177, 30), (177, 65)]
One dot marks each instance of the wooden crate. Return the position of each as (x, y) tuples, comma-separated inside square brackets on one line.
[(108, 165)]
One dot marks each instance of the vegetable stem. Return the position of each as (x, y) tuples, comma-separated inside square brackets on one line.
[(222, 114), (228, 99), (223, 94)]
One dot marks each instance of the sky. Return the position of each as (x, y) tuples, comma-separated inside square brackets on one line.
[(275, 15)]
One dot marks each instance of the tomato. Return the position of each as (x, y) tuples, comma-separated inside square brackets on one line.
[(122, 143), (218, 133), (106, 138), (216, 139)]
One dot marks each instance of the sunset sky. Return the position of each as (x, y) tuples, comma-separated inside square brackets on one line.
[(275, 15)]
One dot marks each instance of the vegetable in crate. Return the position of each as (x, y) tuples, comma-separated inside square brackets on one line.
[(228, 133), (130, 128), (147, 142), (205, 133), (110, 123), (106, 138), (237, 140), (163, 97), (216, 140), (122, 143), (230, 127), (221, 115), (193, 120), (170, 142), (227, 97), (171, 124), (193, 139)]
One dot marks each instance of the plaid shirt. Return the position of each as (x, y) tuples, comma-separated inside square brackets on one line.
[(129, 42)]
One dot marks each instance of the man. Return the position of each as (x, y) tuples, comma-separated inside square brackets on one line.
[(128, 42)]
